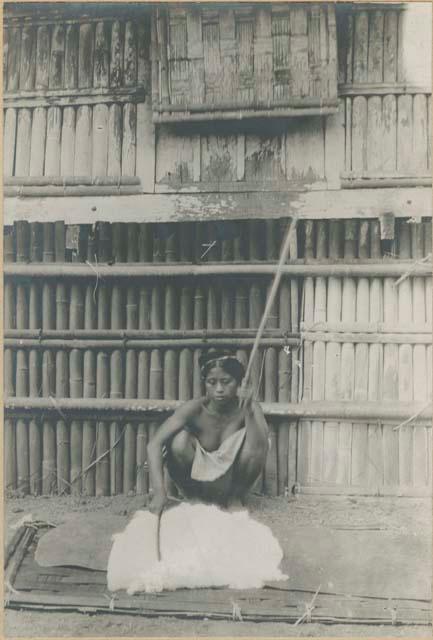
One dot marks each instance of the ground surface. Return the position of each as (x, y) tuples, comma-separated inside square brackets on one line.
[(399, 515)]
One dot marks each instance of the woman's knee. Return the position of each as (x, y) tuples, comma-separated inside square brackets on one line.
[(182, 448)]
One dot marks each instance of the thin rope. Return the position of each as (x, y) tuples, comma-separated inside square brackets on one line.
[(271, 296)]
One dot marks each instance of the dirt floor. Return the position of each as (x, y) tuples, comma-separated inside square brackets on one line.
[(402, 515)]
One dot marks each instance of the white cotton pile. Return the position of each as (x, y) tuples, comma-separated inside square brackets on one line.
[(201, 546)]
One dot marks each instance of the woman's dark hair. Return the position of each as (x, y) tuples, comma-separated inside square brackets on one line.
[(224, 359)]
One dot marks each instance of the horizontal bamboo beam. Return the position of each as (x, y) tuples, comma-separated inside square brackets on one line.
[(369, 338), (73, 97), (50, 191), (70, 181), (318, 268), (176, 207), (381, 89), (344, 411), (176, 343), (366, 327), (385, 183), (153, 335), (242, 114), (294, 103)]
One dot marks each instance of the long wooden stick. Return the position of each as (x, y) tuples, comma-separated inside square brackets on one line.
[(271, 296)]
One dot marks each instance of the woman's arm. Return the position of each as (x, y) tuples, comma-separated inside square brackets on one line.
[(167, 430)]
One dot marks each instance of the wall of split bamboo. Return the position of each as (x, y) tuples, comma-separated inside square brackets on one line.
[(334, 359), (75, 98)]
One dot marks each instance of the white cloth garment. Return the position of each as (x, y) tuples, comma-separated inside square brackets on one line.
[(210, 465), (201, 546)]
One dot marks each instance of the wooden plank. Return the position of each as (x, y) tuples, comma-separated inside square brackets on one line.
[(14, 55), (57, 58), (130, 55), (42, 57), (129, 141), (52, 147), (263, 63), (376, 47), (85, 55), (9, 136), (347, 203), (71, 56), (374, 137), (67, 151), (27, 62), (37, 144), (100, 140), (360, 47), (102, 55), (305, 159), (359, 135), (420, 135), (404, 134), (116, 57), (83, 142), (389, 134), (22, 157), (115, 136), (334, 126), (390, 46)]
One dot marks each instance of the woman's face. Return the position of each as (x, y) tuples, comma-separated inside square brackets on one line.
[(221, 387)]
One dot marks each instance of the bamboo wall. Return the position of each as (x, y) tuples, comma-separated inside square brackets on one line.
[(74, 97), (78, 119), (356, 339)]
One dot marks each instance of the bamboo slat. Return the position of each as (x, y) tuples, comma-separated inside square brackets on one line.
[(27, 66), (83, 141), (9, 136), (199, 323), (129, 141), (102, 479), (319, 360), (62, 430), (115, 137), (116, 57), (14, 54), (390, 46), (100, 140), (37, 143), (375, 371), (71, 56), (85, 55), (42, 57), (67, 151), (360, 47), (102, 55), (57, 58), (421, 141), (359, 430), (405, 151), (10, 468), (23, 138)]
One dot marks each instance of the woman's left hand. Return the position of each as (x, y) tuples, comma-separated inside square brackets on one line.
[(245, 394)]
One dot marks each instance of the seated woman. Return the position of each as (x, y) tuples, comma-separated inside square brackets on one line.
[(214, 448)]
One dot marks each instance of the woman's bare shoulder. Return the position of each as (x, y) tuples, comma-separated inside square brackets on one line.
[(191, 408)]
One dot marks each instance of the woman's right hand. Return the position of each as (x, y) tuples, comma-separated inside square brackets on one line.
[(157, 503)]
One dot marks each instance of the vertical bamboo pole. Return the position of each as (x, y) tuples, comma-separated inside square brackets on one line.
[(390, 384), (256, 305), (62, 369), (271, 476), (130, 444), (319, 351), (27, 62), (375, 368), (360, 434), (10, 458), (67, 151), (405, 361), (170, 322), (142, 485), (308, 308), (42, 57), (347, 375), (22, 371), (48, 430), (13, 63), (77, 311), (186, 309), (420, 354), (333, 358), (102, 479), (89, 386), (71, 56), (116, 364), (52, 147), (199, 323)]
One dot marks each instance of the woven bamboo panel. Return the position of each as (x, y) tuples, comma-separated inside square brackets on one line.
[(248, 58)]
